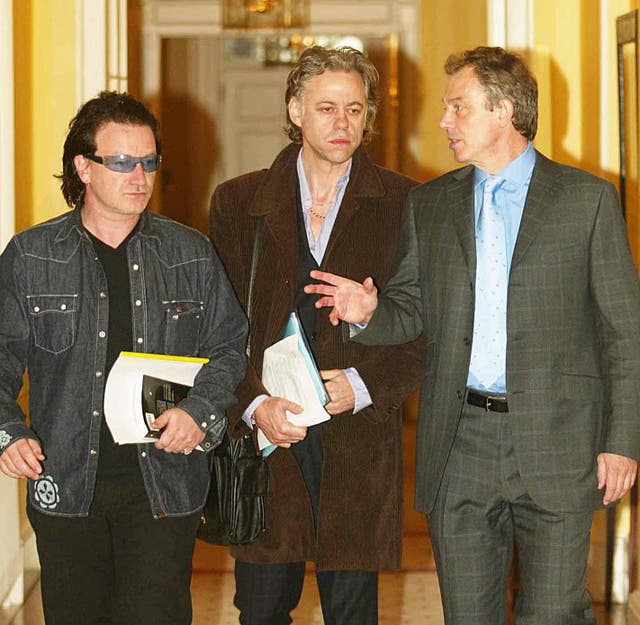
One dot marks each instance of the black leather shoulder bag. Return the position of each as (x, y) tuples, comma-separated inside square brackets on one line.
[(234, 510)]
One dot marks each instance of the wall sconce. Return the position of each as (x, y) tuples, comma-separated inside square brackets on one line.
[(265, 13)]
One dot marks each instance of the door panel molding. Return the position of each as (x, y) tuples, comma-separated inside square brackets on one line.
[(101, 28)]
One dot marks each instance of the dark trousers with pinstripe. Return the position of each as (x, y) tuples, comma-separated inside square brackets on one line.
[(482, 506)]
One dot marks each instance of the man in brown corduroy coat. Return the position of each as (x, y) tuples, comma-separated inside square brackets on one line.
[(335, 493)]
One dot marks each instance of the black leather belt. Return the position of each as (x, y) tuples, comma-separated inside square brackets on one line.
[(494, 403)]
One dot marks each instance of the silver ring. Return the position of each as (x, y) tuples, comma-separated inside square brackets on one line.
[(186, 451)]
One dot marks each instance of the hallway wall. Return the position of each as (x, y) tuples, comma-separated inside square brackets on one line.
[(440, 38), (45, 96), (44, 99)]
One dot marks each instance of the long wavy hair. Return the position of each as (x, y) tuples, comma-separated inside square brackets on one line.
[(318, 60)]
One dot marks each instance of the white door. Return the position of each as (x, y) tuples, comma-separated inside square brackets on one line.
[(220, 118), (253, 114)]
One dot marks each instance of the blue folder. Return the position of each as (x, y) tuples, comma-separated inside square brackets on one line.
[(293, 327)]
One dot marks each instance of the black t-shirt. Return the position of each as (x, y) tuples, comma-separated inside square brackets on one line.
[(116, 460)]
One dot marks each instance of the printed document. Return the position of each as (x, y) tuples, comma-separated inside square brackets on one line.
[(289, 371), (139, 387)]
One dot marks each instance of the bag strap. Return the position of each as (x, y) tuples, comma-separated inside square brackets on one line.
[(254, 265)]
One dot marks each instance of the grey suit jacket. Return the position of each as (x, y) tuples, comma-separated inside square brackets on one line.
[(573, 328)]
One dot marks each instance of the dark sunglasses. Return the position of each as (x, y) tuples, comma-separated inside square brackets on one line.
[(125, 164)]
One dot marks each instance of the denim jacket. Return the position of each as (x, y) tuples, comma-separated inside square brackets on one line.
[(53, 322)]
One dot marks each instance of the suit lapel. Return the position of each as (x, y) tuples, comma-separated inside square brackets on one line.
[(460, 199), (276, 201), (543, 190), (544, 187)]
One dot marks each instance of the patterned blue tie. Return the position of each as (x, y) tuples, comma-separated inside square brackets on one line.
[(488, 352)]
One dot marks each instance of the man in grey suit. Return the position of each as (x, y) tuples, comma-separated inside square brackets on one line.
[(517, 270)]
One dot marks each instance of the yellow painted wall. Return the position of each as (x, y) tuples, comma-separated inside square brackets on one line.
[(44, 37), (567, 62), (565, 59), (447, 26), (45, 97)]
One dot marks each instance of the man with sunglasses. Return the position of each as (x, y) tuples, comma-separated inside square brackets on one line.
[(115, 524)]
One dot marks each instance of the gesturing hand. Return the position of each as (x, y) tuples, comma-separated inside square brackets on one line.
[(350, 301)]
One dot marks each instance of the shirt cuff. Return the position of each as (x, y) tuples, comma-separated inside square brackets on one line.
[(247, 416), (356, 328), (362, 397)]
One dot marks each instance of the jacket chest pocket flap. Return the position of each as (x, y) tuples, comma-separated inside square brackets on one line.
[(183, 319), (53, 320)]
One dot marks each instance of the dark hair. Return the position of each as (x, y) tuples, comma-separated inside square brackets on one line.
[(108, 106), (503, 75), (318, 60)]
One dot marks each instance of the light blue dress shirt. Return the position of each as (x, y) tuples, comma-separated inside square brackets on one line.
[(318, 247), (510, 198)]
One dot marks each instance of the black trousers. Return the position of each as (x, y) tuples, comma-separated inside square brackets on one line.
[(119, 565), (266, 594)]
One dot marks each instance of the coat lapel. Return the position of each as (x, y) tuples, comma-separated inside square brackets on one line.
[(364, 182), (276, 202), (544, 187), (460, 199)]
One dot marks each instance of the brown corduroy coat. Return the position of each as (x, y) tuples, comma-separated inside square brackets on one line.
[(360, 509)]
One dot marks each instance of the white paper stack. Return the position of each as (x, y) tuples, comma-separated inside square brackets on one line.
[(289, 371)]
